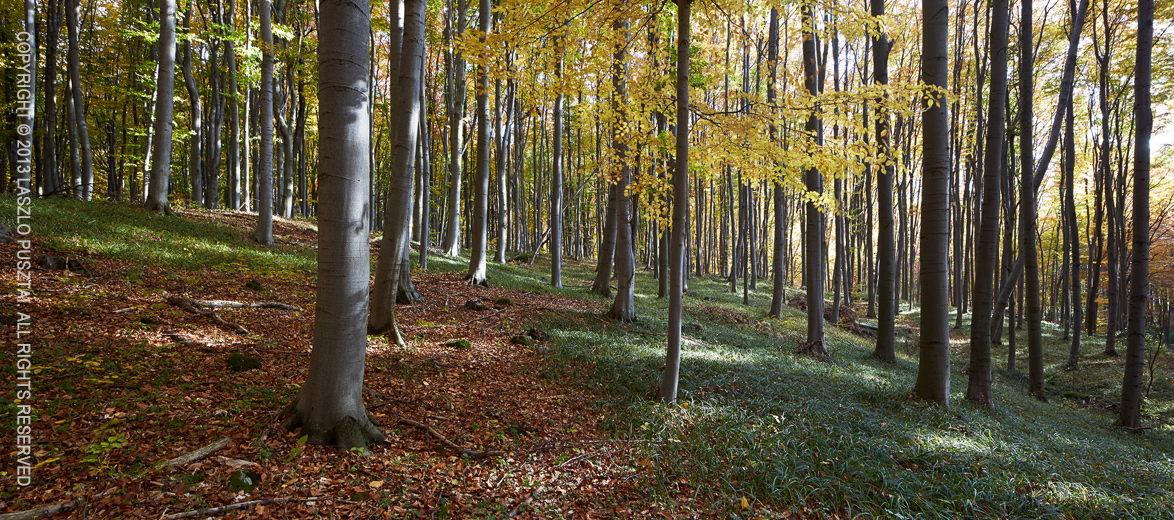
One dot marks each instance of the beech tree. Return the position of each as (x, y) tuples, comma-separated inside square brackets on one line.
[(329, 408), (157, 191), (1130, 413), (933, 367), (264, 174), (480, 247), (672, 365), (623, 309), (886, 284)]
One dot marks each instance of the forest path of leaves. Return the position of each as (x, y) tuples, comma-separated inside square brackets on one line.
[(117, 392)]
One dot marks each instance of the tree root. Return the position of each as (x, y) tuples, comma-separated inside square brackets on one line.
[(199, 454), (814, 349), (193, 307)]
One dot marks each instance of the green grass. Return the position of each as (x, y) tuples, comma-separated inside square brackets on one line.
[(128, 232), (757, 422)]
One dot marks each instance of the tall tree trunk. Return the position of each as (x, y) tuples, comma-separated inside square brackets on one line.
[(234, 147), (1130, 416), (672, 366), (503, 148), (329, 408), (456, 115), (933, 368), (556, 173), (480, 231), (85, 187), (264, 231), (164, 105), (623, 309), (51, 182), (986, 259), (195, 158), (405, 126), (813, 260), (886, 283), (1074, 233), (1032, 305), (778, 294), (27, 109)]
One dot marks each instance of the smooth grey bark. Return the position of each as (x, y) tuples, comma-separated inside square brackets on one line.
[(456, 115), (667, 391), (979, 385), (51, 181), (264, 173), (164, 106), (480, 232), (234, 130), (84, 186), (195, 159), (1074, 232), (886, 283), (813, 260), (933, 367), (329, 408), (1027, 222), (405, 125), (623, 309), (503, 147), (556, 175), (28, 109), (1130, 413)]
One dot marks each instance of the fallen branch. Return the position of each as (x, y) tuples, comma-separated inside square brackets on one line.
[(228, 304), (193, 307), (238, 506), (473, 454), (123, 311), (485, 317), (199, 454), (514, 512), (43, 512)]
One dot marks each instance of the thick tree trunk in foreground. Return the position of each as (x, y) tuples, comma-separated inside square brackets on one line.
[(264, 174), (778, 294), (986, 259), (1032, 306), (164, 105), (1130, 416), (813, 259), (672, 365), (933, 367), (886, 283), (329, 408)]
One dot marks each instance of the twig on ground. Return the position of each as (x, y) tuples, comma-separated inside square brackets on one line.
[(198, 454), (123, 311), (43, 512), (485, 317), (228, 304), (473, 454), (240, 505), (514, 512)]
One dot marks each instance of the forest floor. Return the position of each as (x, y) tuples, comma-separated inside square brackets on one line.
[(125, 381)]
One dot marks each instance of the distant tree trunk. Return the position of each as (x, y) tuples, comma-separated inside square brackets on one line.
[(886, 283), (264, 232), (164, 104), (456, 114), (778, 294), (813, 260), (28, 109), (933, 368), (607, 245), (480, 231), (986, 258), (1074, 233), (85, 185), (392, 261), (623, 309), (503, 133), (51, 182), (329, 408), (195, 159), (1130, 416), (672, 367)]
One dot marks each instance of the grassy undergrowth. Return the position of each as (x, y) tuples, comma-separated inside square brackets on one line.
[(759, 430)]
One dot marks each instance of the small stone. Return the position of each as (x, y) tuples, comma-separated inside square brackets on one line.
[(254, 285), (537, 334), (238, 362), (476, 305), (460, 343), (244, 480), (504, 302)]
